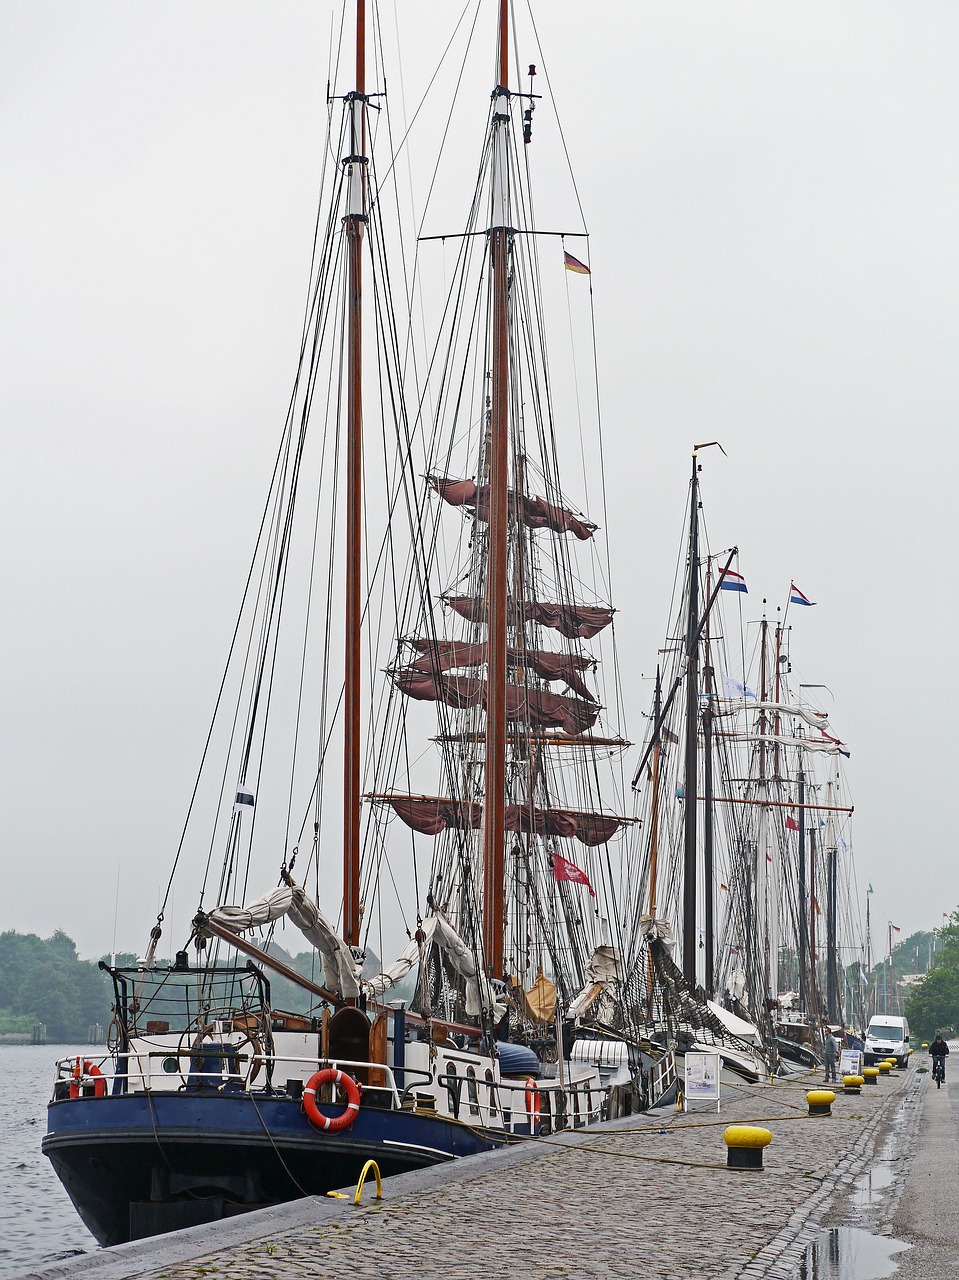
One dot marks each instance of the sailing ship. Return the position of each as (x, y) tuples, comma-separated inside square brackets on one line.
[(749, 854), (514, 1007)]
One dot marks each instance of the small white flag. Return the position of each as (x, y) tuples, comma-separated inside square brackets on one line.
[(244, 800)]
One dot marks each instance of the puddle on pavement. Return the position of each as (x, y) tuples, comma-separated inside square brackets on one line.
[(847, 1253), (871, 1184)]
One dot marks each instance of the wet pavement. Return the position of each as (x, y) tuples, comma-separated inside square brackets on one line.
[(849, 1253)]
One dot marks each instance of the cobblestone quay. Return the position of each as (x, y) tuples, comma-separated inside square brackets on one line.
[(646, 1195)]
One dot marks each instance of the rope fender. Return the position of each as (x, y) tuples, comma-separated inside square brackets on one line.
[(331, 1075)]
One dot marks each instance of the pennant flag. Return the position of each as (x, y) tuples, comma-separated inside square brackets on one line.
[(816, 907), (563, 869), (729, 580), (797, 597), (769, 857), (724, 887), (870, 889), (574, 264), (791, 823), (244, 800)]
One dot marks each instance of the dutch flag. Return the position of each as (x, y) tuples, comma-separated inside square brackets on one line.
[(797, 597), (729, 580)]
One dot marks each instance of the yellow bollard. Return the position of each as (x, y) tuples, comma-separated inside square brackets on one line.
[(852, 1084), (745, 1144), (820, 1102), (884, 1068), (870, 1075), (370, 1164)]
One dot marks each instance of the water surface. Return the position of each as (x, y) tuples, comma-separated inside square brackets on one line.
[(38, 1224)]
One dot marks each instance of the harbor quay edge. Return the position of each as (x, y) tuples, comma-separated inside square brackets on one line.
[(651, 1189)]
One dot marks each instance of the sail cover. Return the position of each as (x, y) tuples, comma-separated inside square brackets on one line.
[(575, 621), (536, 707), (429, 815), (443, 655), (535, 513)]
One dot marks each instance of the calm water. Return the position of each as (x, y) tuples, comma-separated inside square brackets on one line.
[(37, 1221)]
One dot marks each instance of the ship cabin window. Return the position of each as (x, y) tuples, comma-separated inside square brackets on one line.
[(471, 1091), (491, 1090), (453, 1087)]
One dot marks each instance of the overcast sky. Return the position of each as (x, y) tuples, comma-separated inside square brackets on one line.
[(772, 195)]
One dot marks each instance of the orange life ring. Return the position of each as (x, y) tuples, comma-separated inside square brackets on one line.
[(82, 1067), (532, 1102), (349, 1086)]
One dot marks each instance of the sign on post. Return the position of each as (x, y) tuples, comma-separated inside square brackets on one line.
[(850, 1062), (702, 1078)]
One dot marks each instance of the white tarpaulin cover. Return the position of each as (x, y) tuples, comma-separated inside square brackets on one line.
[(737, 1026)]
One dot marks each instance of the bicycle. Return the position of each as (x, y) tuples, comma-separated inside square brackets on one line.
[(938, 1070)]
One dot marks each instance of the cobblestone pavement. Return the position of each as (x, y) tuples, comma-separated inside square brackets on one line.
[(650, 1195)]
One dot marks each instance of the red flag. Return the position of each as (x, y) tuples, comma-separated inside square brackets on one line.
[(563, 869), (791, 823), (769, 857)]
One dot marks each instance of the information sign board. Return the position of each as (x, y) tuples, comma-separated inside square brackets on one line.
[(702, 1078)]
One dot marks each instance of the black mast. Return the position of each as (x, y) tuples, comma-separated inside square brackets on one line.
[(802, 889), (692, 730)]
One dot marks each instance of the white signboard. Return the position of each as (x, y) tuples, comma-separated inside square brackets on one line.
[(850, 1062), (702, 1078)]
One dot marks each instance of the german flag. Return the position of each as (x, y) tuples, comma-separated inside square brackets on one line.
[(574, 264)]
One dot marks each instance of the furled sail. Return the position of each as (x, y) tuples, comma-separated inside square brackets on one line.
[(825, 746), (340, 968), (429, 815), (444, 655), (537, 707), (535, 513), (575, 621), (818, 719), (436, 930)]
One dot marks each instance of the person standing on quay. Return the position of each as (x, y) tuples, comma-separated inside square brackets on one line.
[(830, 1053)]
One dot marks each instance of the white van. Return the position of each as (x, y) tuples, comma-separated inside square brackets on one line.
[(887, 1037)]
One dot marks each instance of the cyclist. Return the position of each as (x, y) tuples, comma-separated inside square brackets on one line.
[(939, 1051)]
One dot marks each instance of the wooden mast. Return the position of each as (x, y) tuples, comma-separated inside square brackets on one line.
[(353, 225), (495, 778)]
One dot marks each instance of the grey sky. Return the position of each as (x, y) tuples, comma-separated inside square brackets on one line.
[(772, 194)]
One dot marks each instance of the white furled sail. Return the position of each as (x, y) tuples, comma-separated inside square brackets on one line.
[(340, 968)]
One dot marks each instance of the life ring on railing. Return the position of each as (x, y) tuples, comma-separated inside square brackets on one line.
[(82, 1067), (532, 1103), (331, 1075)]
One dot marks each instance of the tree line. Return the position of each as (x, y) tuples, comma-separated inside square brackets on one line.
[(44, 980), (933, 1002)]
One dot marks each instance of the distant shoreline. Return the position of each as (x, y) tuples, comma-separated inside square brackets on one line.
[(23, 1037)]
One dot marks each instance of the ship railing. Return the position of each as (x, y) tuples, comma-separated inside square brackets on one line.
[(350, 1066), (249, 1066), (543, 1107), (663, 1076)]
